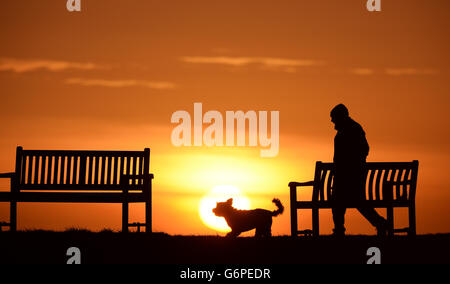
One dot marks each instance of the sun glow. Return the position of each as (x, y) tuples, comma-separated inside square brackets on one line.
[(220, 193)]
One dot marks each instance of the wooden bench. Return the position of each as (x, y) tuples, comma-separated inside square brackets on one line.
[(81, 177), (387, 185)]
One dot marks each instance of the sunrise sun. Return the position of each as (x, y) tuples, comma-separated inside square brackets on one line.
[(220, 194)]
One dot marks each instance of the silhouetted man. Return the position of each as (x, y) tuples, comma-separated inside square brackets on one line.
[(350, 153)]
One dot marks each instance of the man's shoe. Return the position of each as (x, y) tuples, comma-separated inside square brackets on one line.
[(382, 230), (338, 233)]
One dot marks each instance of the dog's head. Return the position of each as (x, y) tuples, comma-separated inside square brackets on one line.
[(223, 208)]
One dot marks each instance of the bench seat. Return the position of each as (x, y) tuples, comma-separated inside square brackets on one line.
[(73, 197), (366, 203)]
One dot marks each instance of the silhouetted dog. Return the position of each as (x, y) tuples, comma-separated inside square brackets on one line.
[(245, 220)]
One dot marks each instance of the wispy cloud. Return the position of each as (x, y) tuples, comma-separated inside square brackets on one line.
[(362, 71), (410, 71), (121, 83), (27, 65), (393, 71), (285, 64)]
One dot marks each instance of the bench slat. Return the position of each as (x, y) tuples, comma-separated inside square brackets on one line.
[(23, 169), (392, 177), (116, 162), (49, 169), (322, 184), (135, 168), (75, 170), (374, 165), (390, 165), (406, 183), (140, 172), (108, 171), (132, 165), (370, 190), (69, 170), (380, 175), (55, 170), (128, 162), (96, 168), (399, 177), (329, 183), (30, 168), (82, 171), (76, 197), (121, 168), (102, 161), (90, 173), (81, 152), (62, 170), (42, 170), (37, 160)]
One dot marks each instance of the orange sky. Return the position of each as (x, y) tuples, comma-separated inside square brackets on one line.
[(111, 76)]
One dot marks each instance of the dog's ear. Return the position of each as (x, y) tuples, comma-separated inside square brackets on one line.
[(230, 201)]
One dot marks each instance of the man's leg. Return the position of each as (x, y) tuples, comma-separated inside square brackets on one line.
[(375, 219), (338, 208), (339, 220)]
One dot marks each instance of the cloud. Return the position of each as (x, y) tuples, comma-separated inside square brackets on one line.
[(121, 83), (362, 71), (23, 65), (394, 71), (284, 64), (410, 71)]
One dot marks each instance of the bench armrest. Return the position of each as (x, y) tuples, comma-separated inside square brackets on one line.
[(131, 176), (125, 179), (293, 188), (294, 184), (7, 175)]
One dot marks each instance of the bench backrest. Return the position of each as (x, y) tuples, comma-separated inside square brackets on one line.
[(80, 170), (384, 181)]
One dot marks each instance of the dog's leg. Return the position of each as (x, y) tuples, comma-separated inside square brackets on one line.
[(265, 232), (268, 228), (233, 234)]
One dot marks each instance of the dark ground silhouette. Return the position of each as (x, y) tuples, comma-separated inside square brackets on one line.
[(159, 248)]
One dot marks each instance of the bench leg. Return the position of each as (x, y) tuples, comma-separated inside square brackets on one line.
[(315, 222), (390, 220), (148, 216), (412, 221), (294, 222), (125, 217), (13, 216)]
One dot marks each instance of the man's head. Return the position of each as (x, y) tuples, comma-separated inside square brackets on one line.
[(339, 114)]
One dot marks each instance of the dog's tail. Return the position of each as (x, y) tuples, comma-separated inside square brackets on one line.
[(280, 207)]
